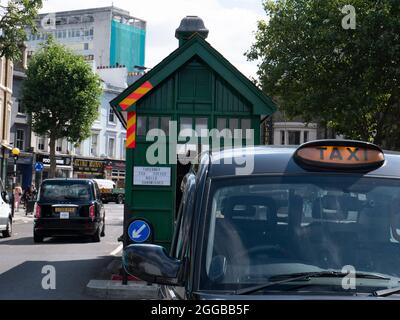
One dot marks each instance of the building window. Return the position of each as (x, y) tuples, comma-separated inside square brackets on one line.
[(294, 137), (111, 115), (59, 145), (78, 149), (41, 141), (86, 46), (123, 150), (282, 137), (94, 143), (305, 136), (20, 139), (21, 108), (111, 147)]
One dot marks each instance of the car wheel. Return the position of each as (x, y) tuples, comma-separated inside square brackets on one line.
[(37, 238), (103, 230), (8, 232), (120, 199), (96, 236)]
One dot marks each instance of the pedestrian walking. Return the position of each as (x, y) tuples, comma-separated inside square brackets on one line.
[(17, 196), (28, 196)]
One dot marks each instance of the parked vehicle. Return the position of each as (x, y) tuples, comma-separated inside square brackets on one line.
[(6, 220), (67, 207), (297, 225), (109, 192)]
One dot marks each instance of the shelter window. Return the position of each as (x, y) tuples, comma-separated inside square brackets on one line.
[(245, 125), (153, 123), (186, 125), (141, 126), (201, 127), (221, 124), (165, 125)]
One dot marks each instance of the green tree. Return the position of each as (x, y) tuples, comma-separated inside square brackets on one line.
[(16, 16), (62, 95), (348, 79)]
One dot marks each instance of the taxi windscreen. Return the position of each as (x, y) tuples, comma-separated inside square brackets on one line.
[(262, 227)]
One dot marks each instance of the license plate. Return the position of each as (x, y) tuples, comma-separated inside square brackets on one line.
[(60, 209), (64, 215)]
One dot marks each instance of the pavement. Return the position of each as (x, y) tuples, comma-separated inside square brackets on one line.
[(74, 262)]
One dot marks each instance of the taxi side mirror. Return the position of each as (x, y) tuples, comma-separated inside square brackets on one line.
[(151, 263)]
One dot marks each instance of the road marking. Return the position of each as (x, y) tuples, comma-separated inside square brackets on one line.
[(116, 251)]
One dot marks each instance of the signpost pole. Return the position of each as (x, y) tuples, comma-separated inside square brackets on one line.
[(15, 152)]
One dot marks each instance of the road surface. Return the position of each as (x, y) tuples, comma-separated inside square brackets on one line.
[(75, 260)]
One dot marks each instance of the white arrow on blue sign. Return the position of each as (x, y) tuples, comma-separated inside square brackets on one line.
[(39, 166), (139, 231)]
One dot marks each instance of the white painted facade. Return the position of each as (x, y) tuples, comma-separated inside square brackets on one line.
[(293, 133), (108, 135)]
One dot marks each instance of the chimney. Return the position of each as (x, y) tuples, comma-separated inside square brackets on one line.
[(189, 26)]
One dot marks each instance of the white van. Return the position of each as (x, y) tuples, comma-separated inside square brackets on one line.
[(5, 213)]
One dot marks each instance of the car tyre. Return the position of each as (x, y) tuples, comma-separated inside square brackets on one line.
[(103, 230), (37, 238), (8, 232), (96, 236), (120, 199)]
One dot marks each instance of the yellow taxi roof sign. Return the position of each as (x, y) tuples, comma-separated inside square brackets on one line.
[(339, 155)]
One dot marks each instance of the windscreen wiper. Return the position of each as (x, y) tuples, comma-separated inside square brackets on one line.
[(305, 276), (386, 292)]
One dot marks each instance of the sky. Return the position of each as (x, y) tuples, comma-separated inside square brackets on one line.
[(232, 24)]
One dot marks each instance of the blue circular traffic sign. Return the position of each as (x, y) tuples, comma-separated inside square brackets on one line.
[(139, 231), (39, 166)]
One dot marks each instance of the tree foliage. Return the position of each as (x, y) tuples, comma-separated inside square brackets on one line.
[(15, 17), (62, 95), (347, 79)]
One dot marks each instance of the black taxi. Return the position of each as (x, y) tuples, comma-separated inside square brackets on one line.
[(69, 207), (320, 221)]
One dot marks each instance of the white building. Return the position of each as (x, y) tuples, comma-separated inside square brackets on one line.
[(105, 37), (293, 133), (109, 35), (108, 135)]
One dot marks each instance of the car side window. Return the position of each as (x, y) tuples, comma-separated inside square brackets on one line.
[(181, 236), (97, 191)]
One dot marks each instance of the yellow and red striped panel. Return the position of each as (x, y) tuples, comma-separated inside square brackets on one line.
[(136, 95), (131, 131)]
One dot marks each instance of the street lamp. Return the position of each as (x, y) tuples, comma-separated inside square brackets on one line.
[(15, 153)]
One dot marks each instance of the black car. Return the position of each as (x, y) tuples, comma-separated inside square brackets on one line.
[(319, 221), (67, 207)]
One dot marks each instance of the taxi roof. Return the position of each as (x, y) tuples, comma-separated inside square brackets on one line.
[(279, 160)]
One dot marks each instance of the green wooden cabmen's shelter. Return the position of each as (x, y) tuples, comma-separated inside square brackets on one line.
[(197, 88)]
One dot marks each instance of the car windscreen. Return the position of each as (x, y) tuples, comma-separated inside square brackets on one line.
[(263, 227), (65, 191)]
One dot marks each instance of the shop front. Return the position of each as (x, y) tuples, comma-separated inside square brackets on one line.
[(24, 170), (115, 170), (63, 167), (88, 168)]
